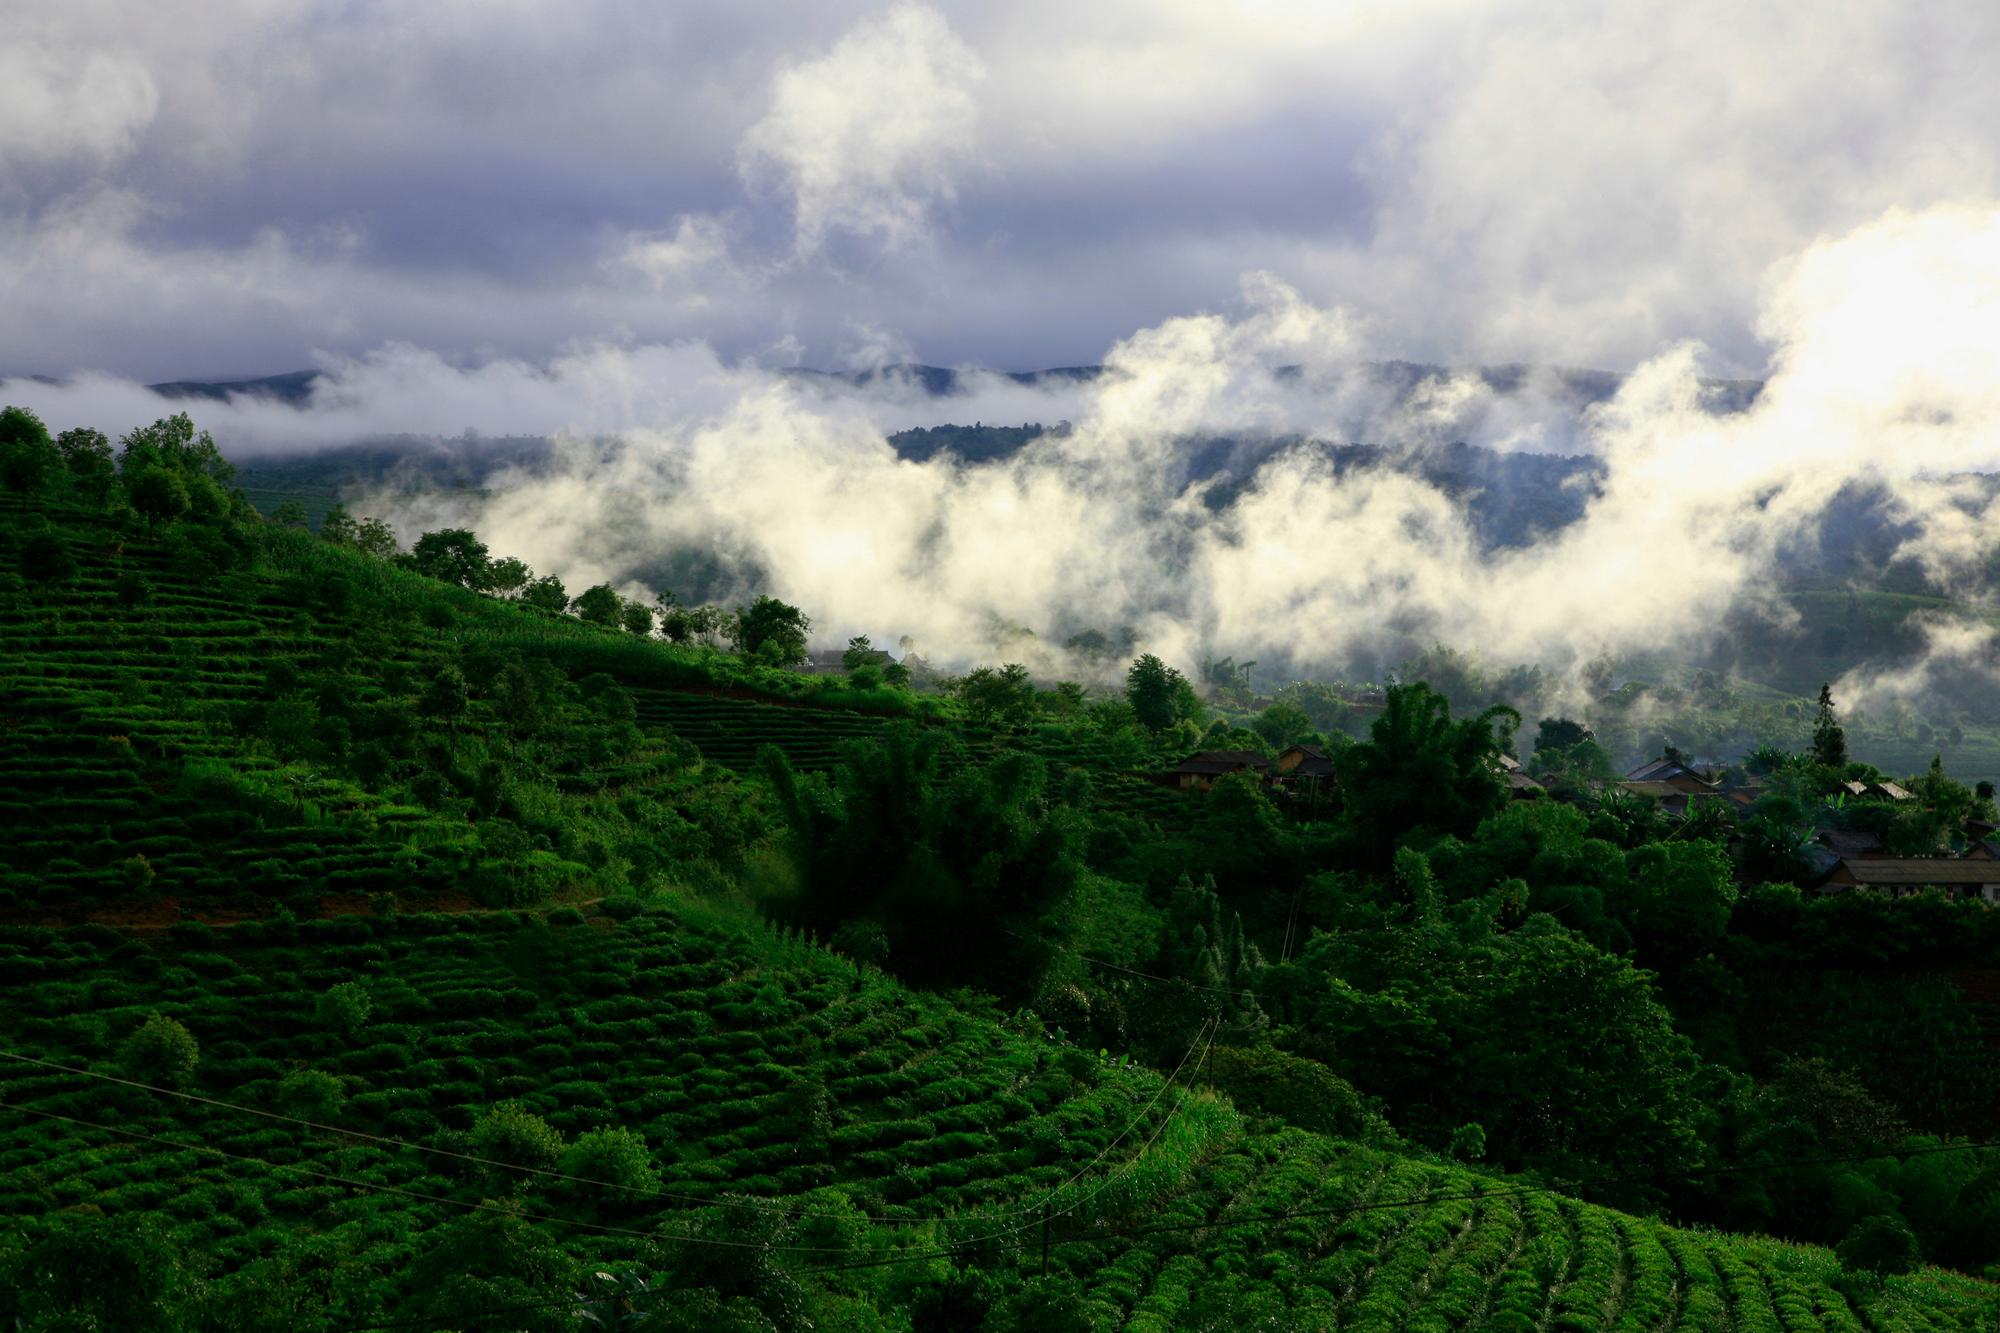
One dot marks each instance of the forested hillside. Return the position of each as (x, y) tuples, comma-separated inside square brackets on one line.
[(391, 939)]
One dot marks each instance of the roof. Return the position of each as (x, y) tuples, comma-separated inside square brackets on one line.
[(1508, 762), (1519, 781), (1312, 762), (1916, 870), (1662, 769), (1852, 842), (1892, 791), (1221, 761), (1659, 791), (1679, 776)]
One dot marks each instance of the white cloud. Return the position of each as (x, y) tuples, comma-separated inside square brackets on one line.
[(870, 137), (58, 102)]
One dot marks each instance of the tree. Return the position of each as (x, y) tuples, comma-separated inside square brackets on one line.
[(160, 1051), (1281, 724), (941, 861), (490, 1262), (772, 631), (1006, 696), (598, 605), (637, 618), (86, 455), (1681, 894), (618, 1158), (1882, 1244), (339, 527), (374, 537), (1155, 691), (290, 514), (45, 558), (311, 1094), (28, 457), (452, 555), (344, 1008), (1829, 741), (1421, 768), (157, 493), (512, 1135), (119, 1273), (508, 575), (546, 594), (171, 443), (859, 653), (446, 698)]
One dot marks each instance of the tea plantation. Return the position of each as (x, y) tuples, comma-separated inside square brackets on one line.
[(694, 1086), (378, 953)]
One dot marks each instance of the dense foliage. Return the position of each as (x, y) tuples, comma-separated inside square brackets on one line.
[(534, 953)]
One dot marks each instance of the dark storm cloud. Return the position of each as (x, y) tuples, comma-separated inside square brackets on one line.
[(238, 188)]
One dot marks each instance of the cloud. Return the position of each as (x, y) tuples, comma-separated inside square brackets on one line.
[(869, 138), (57, 103), (1016, 185), (672, 455)]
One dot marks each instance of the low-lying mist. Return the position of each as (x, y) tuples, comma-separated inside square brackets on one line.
[(1201, 490)]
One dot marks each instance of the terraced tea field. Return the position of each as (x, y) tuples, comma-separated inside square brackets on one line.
[(767, 1078)]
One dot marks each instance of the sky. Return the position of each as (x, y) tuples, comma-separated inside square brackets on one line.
[(252, 186), (609, 223)]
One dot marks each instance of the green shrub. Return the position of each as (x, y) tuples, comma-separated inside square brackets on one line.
[(160, 1051), (616, 1161), (512, 1135), (311, 1094)]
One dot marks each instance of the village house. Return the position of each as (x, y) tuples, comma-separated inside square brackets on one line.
[(1902, 876), (833, 661), (1199, 771), (1519, 784), (1302, 763)]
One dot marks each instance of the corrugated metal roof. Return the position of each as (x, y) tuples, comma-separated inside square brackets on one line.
[(1906, 871)]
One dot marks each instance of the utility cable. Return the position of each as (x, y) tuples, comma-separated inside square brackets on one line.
[(1129, 971)]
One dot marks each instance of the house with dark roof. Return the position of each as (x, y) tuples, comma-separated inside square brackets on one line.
[(1199, 771), (1302, 763), (1673, 774), (1853, 844), (1519, 784), (833, 661), (1902, 876)]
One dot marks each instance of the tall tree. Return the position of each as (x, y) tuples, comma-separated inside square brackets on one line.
[(1829, 741), (1160, 696), (453, 555), (772, 631), (598, 605), (1421, 768)]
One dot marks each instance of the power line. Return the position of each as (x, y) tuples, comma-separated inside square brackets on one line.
[(1130, 971), (1204, 1030)]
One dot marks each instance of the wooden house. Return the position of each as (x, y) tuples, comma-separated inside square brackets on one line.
[(1519, 784), (1303, 763), (1199, 771), (1671, 773), (1902, 876)]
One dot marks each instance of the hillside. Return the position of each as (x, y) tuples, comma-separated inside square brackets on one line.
[(378, 952), (882, 1152)]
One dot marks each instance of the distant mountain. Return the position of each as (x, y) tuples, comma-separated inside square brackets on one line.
[(292, 387), (1402, 377)]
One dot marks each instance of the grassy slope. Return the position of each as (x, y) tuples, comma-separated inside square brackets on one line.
[(694, 1030)]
